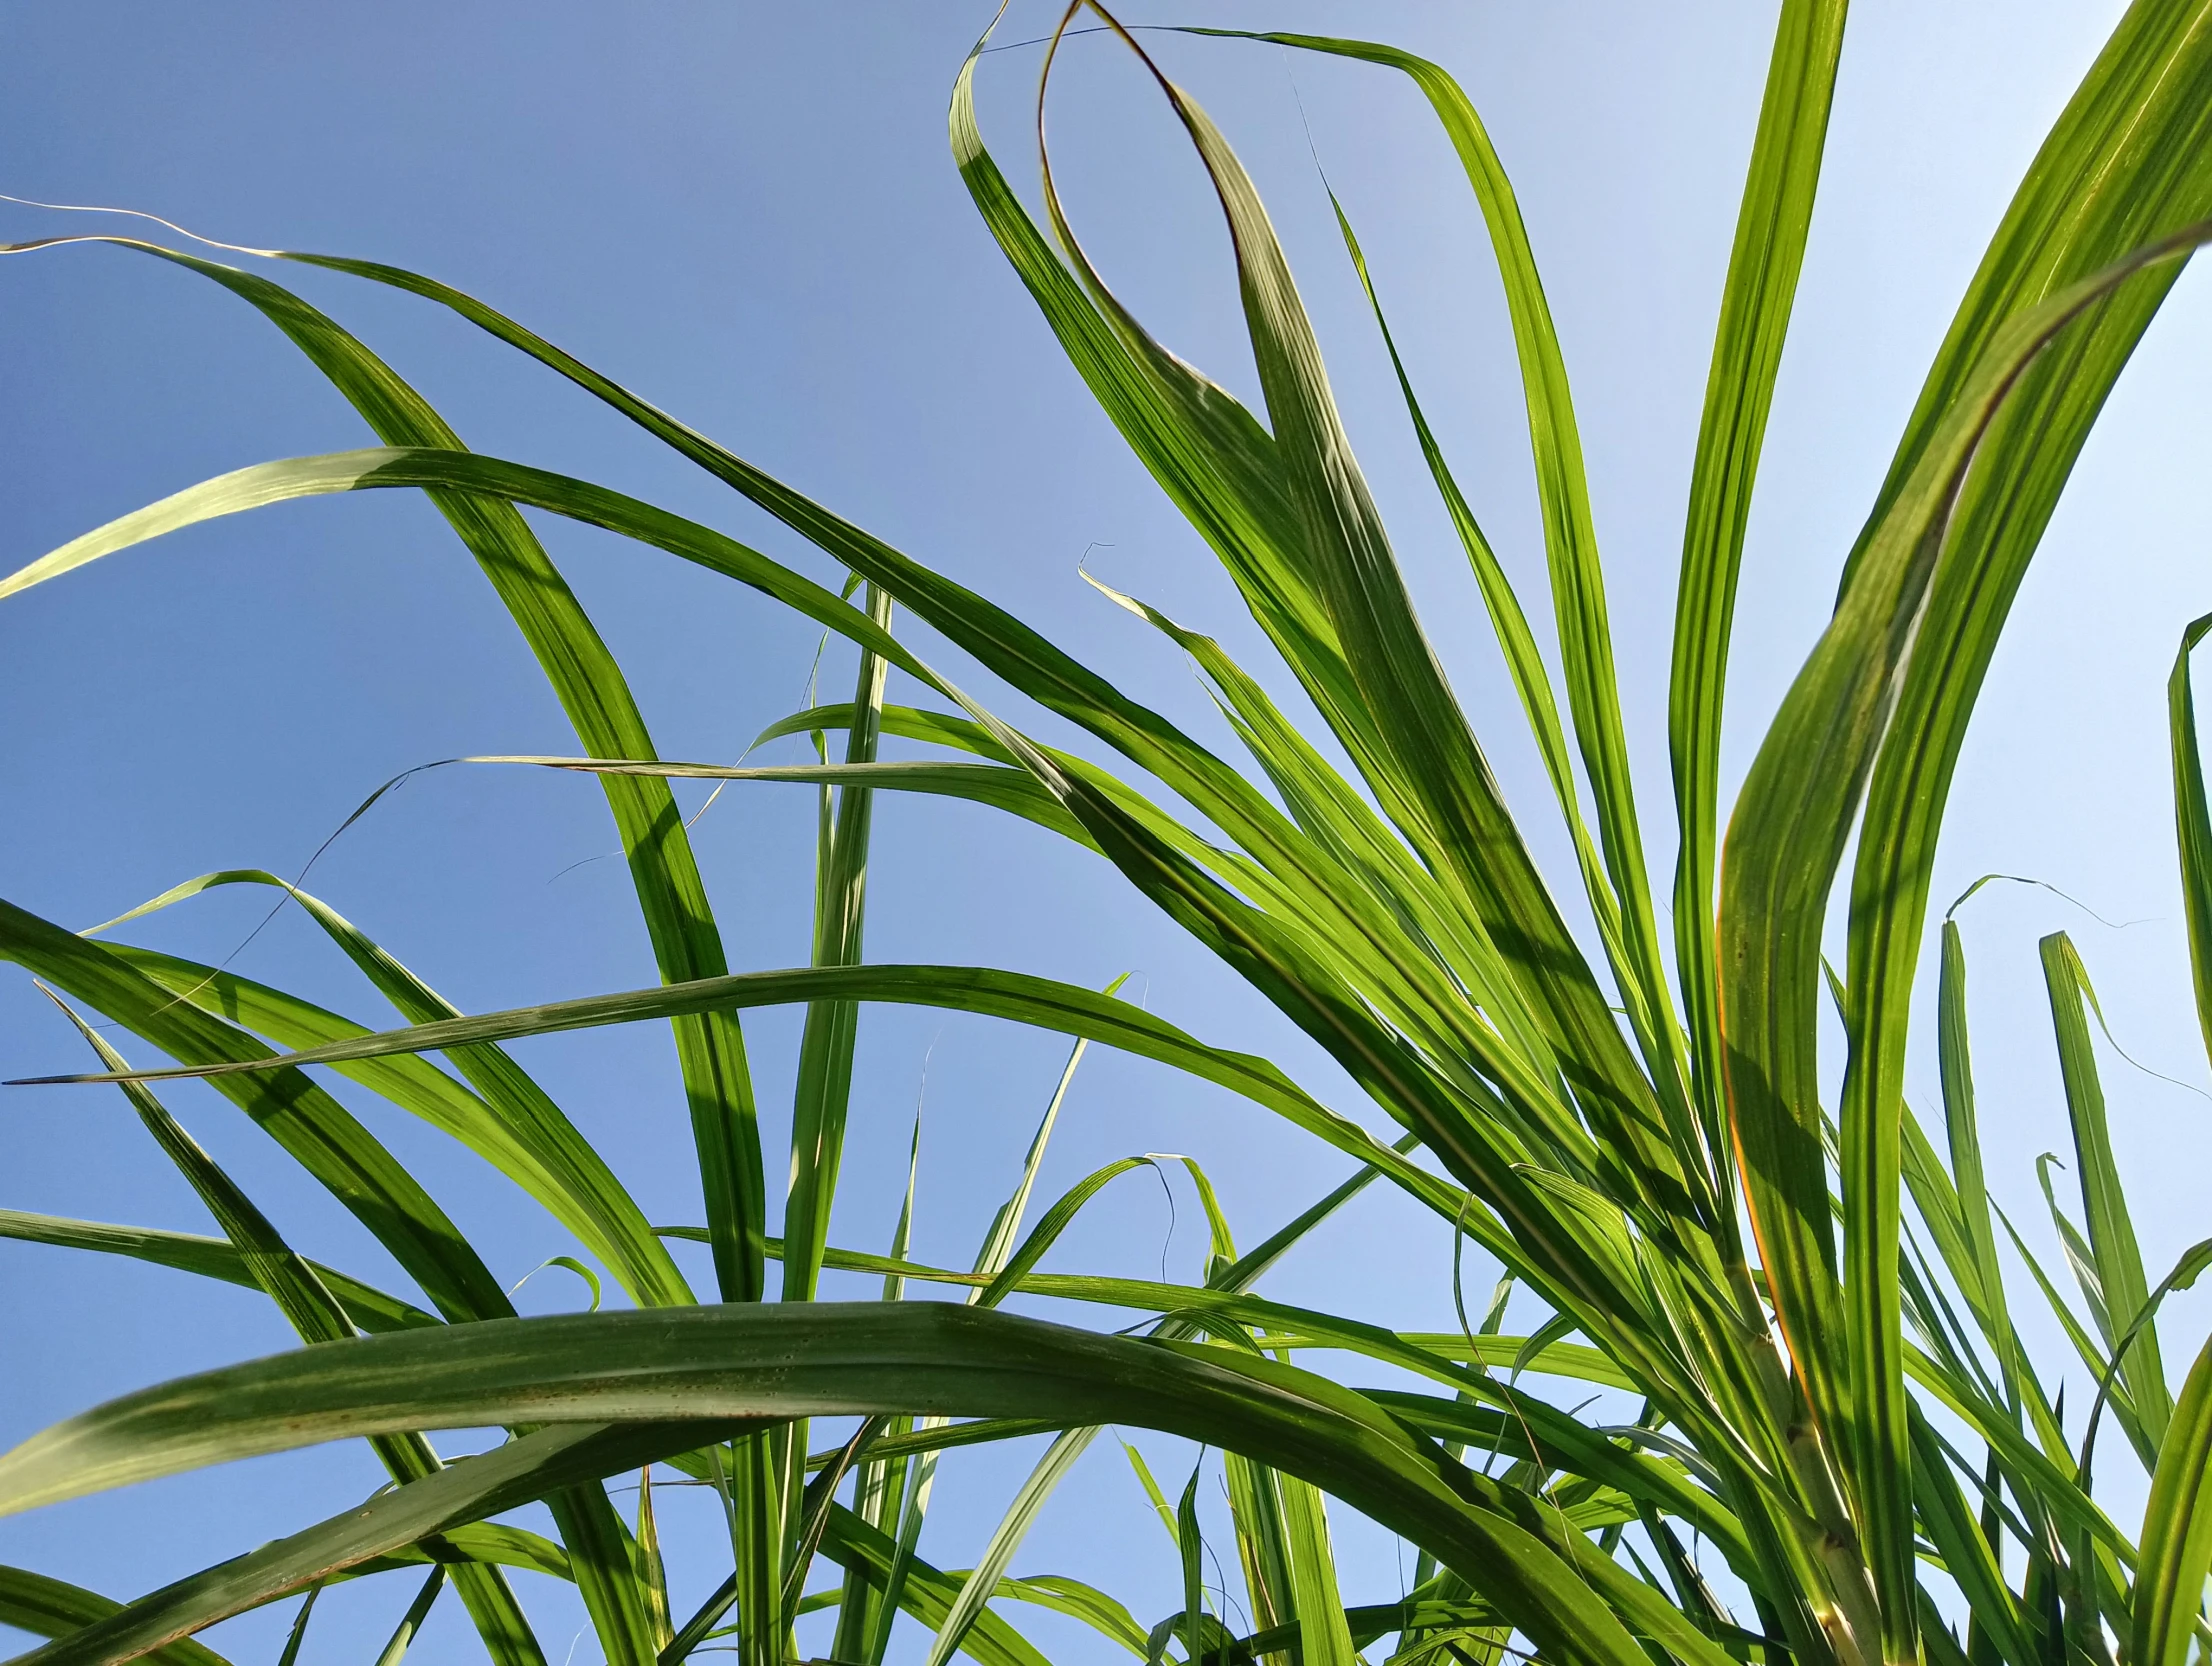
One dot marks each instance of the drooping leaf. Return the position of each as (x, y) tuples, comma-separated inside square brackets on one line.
[(316, 1316), (818, 1359), (513, 1474), (2119, 1262), (2192, 820), (598, 701), (49, 1607)]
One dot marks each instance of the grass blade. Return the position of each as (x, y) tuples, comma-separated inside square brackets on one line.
[(1013, 995), (365, 1306), (592, 691), (517, 1126), (1325, 1638), (826, 1044), (1756, 301), (2126, 163), (1967, 1556), (927, 1593), (1191, 1552), (1397, 673), (2192, 821), (880, 1488), (299, 1293), (1306, 988), (804, 1359), (654, 1571), (49, 1607), (395, 1650), (1964, 1139), (2177, 1530), (2119, 1262), (298, 1634), (316, 1315), (517, 1473), (1532, 682), (1102, 1613), (997, 1258), (565, 1176), (362, 1175), (308, 1123), (1785, 842), (1577, 581)]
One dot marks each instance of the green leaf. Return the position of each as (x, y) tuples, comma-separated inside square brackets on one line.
[(1969, 1558), (2184, 1273), (1390, 660), (925, 1592), (1191, 1552), (480, 1541), (298, 1634), (1456, 788), (315, 1314), (365, 1306), (879, 1490), (48, 1607), (2126, 164), (1287, 1328), (1263, 1550), (318, 1132), (510, 1475), (2192, 821), (1538, 1340), (395, 1650), (1302, 984), (1003, 644), (1012, 995), (591, 689), (1152, 1492), (1325, 1638), (294, 1286), (1375, 1620), (999, 786), (332, 1146), (1017, 1263), (1785, 841), (511, 1122), (1986, 1289), (826, 1044), (1763, 264), (654, 1573), (567, 1263), (1531, 680), (789, 1360), (2177, 1529), (1003, 1262), (1102, 1613), (2104, 1200)]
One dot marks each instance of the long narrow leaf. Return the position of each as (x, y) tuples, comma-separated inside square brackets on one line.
[(2192, 820), (2177, 1529), (592, 691), (513, 1474), (781, 1361), (2119, 1262), (1771, 228)]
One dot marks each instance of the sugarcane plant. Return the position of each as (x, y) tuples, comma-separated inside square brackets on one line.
[(1640, 1133)]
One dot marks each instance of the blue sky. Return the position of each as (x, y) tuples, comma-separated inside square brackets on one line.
[(749, 214)]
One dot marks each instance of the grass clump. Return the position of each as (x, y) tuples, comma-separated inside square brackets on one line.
[(1798, 1282)]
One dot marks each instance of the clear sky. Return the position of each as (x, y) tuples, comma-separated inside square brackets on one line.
[(749, 214)]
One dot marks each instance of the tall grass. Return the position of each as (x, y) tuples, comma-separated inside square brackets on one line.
[(1808, 1298)]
